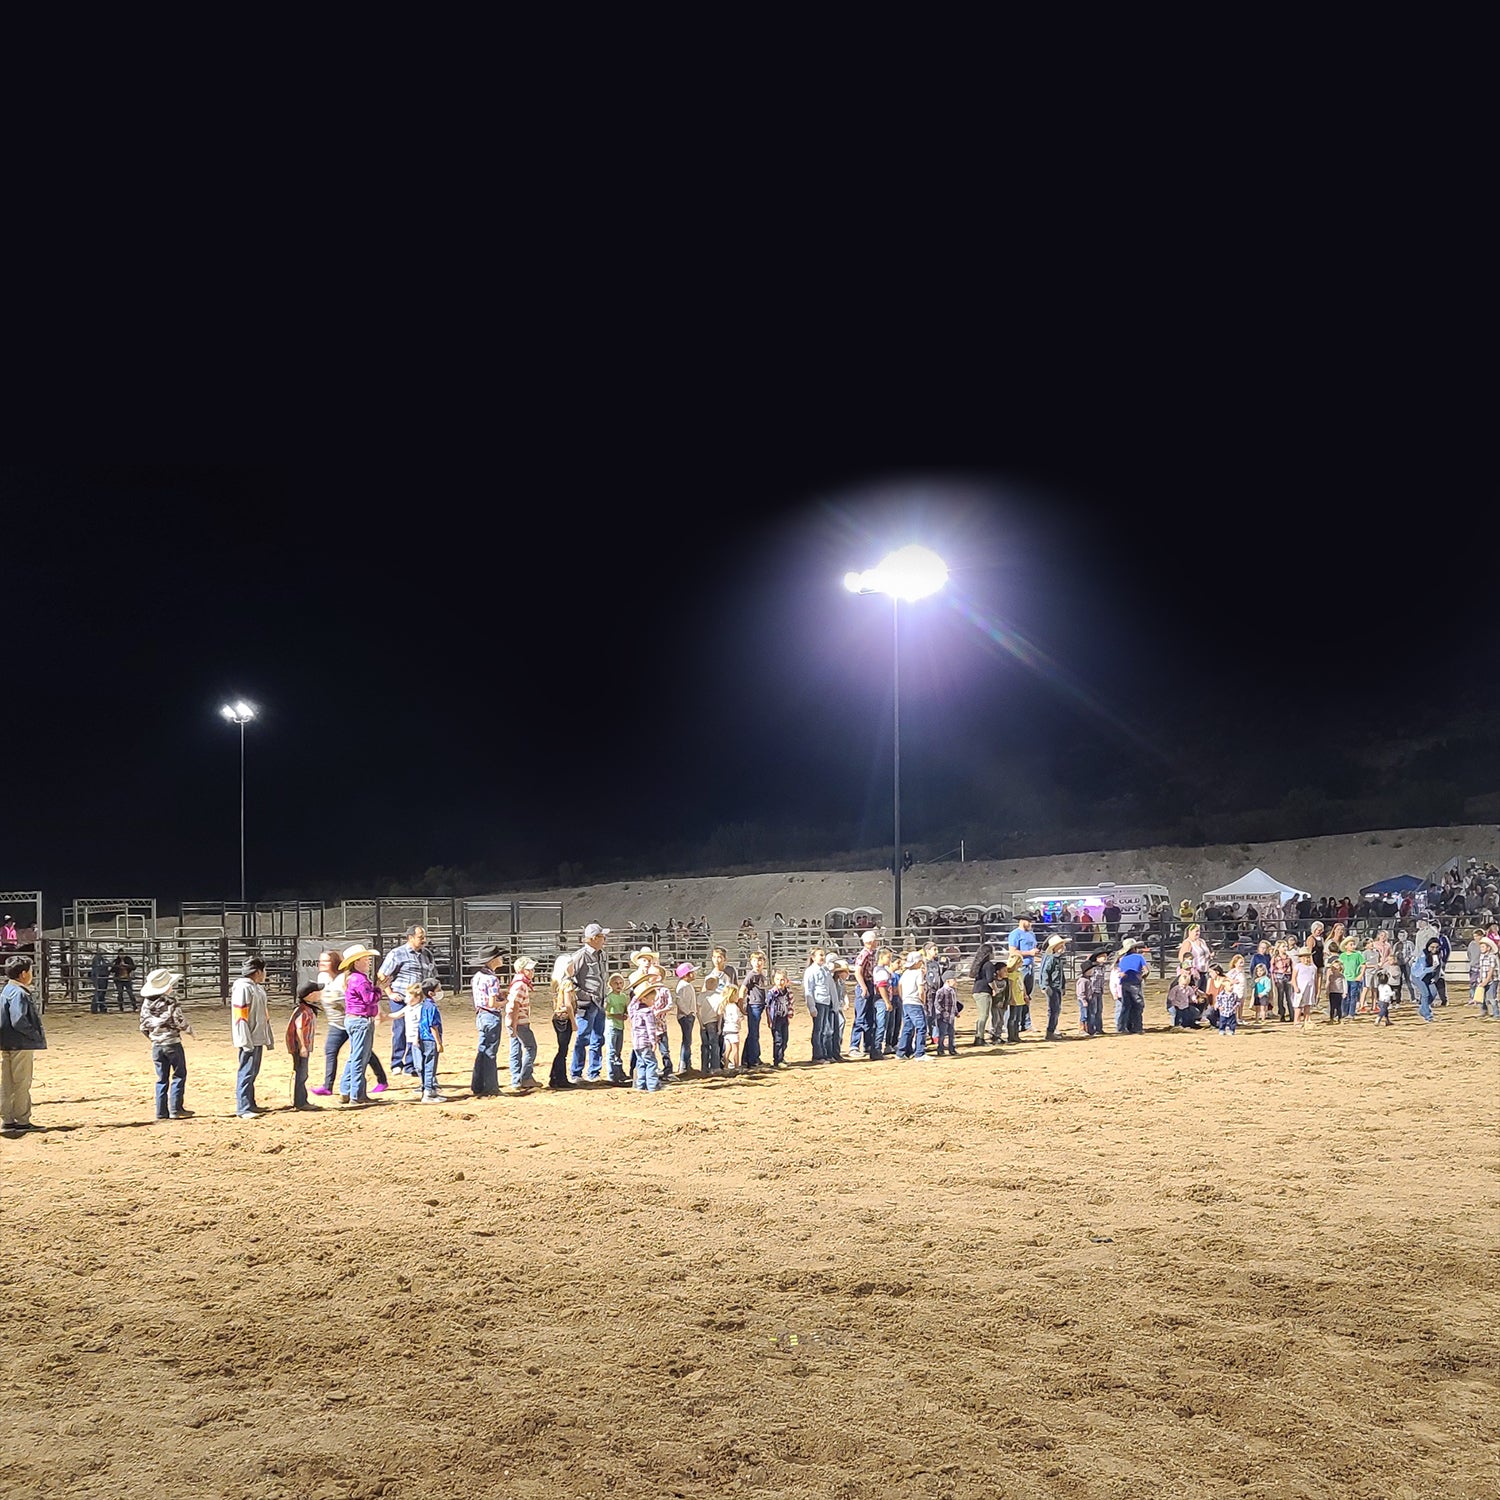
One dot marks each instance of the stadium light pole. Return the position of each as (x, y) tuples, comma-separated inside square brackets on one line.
[(911, 573), (241, 713)]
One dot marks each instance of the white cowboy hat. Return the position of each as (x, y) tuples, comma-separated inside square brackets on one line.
[(1056, 941), (158, 982), (1128, 945), (352, 956), (523, 963)]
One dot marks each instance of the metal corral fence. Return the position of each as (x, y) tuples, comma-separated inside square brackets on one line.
[(209, 960)]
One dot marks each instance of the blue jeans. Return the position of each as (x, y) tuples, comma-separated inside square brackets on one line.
[(1054, 1010), (780, 1030), (171, 1078), (299, 1081), (944, 1032), (614, 1048), (1354, 987), (869, 1023), (1228, 1024), (589, 1040), (711, 1046), (750, 1053), (821, 1018), (485, 1079), (522, 1057), (244, 1082), (428, 1053), (400, 1062), (1132, 1009), (646, 1079), (685, 1057), (361, 1031), (913, 1039), (1424, 998), (1096, 1015), (1489, 1002)]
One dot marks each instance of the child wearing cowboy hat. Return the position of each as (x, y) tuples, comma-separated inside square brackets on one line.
[(163, 1024), (649, 1004), (300, 1031), (1052, 982)]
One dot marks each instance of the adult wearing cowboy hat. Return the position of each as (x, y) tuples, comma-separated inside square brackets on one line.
[(252, 1034), (489, 1011), (361, 1012), (1052, 982), (865, 1026), (331, 985), (163, 1025), (587, 971), (1131, 967)]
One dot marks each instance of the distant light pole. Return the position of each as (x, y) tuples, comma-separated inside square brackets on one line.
[(239, 712), (911, 573)]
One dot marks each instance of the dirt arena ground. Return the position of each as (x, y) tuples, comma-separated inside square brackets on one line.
[(1173, 1265)]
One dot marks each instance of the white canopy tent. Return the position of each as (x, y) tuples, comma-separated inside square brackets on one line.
[(1255, 887)]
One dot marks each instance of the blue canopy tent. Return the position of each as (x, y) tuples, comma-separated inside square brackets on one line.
[(1396, 885)]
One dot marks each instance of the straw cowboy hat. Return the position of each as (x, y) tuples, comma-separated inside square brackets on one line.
[(1484, 942), (1056, 941), (1128, 945), (1013, 962), (158, 982), (643, 953), (353, 955), (524, 963)]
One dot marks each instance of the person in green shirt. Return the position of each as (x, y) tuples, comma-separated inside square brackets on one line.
[(616, 1002), (1352, 960)]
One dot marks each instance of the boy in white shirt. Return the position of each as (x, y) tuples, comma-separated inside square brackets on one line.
[(710, 1026)]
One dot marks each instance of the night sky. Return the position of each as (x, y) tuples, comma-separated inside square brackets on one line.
[(606, 650)]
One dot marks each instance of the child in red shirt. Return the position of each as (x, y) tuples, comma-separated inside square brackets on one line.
[(299, 1041)]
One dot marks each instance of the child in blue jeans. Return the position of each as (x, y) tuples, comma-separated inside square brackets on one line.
[(945, 1015), (430, 1040), (779, 1016)]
